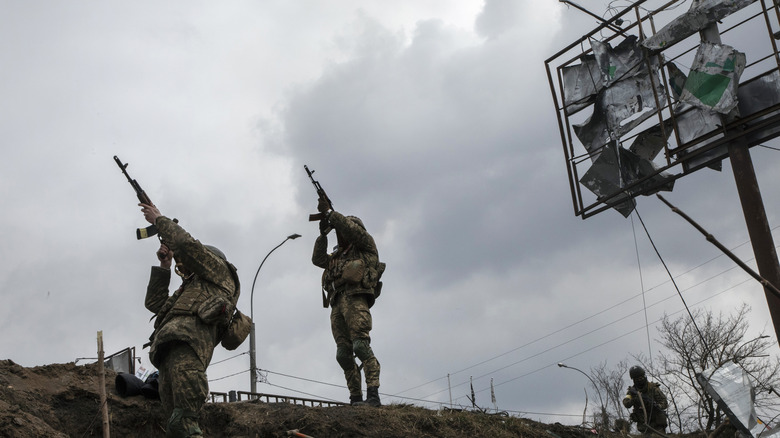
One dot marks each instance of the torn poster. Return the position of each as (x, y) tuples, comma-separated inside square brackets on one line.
[(714, 78)]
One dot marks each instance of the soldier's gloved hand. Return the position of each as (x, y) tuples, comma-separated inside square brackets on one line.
[(325, 227), (322, 205)]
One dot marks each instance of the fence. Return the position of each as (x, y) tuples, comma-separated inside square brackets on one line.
[(235, 396)]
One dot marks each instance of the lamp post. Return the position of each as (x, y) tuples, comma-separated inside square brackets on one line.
[(252, 351), (603, 408)]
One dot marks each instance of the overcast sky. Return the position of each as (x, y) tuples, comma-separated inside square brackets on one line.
[(431, 120)]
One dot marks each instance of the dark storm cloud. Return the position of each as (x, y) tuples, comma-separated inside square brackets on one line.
[(444, 141), (432, 133)]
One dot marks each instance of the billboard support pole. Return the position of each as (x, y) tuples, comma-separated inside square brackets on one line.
[(757, 224), (753, 208)]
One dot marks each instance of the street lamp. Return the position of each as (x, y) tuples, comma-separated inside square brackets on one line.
[(603, 408), (252, 351)]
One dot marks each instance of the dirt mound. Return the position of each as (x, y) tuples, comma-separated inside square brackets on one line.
[(62, 400)]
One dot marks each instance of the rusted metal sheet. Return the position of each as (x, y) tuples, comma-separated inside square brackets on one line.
[(651, 141), (620, 62), (624, 92), (616, 169), (760, 95), (618, 109), (581, 82), (700, 15), (693, 123)]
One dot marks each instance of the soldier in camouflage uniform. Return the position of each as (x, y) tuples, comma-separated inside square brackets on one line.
[(189, 323), (648, 402), (350, 276)]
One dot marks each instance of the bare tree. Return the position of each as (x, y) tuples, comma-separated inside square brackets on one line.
[(693, 346), (610, 383)]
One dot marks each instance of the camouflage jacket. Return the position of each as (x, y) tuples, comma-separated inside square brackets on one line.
[(199, 310), (351, 269), (654, 401)]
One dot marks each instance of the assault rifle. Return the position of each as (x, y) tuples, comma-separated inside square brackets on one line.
[(320, 193), (151, 230)]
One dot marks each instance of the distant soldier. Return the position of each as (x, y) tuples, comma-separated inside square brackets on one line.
[(648, 402), (189, 323), (350, 277)]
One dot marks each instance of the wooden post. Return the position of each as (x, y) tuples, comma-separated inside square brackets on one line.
[(102, 383)]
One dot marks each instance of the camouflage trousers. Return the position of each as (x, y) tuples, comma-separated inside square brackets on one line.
[(183, 389), (350, 322), (656, 422)]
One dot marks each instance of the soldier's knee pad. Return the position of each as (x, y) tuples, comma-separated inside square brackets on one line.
[(344, 358), (362, 349)]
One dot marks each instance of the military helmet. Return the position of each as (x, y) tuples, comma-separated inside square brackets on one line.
[(357, 220), (636, 372), (216, 251)]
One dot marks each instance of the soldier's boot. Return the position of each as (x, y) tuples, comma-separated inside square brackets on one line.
[(372, 396), (355, 399), (354, 386)]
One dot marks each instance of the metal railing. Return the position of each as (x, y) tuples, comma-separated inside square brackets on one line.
[(234, 396)]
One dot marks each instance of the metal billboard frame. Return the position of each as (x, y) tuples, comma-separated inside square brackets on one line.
[(704, 150)]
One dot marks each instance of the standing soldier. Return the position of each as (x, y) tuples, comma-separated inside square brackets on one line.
[(648, 402), (351, 277), (189, 323)]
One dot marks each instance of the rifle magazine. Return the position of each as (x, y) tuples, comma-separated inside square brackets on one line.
[(143, 233)]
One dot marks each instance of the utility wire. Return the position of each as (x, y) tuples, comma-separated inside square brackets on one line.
[(231, 375), (671, 277), (425, 400), (617, 337), (620, 319), (769, 147), (534, 341), (593, 316), (438, 402), (647, 324), (434, 402), (230, 358), (341, 386), (645, 307), (642, 286), (301, 392), (303, 378), (593, 331), (678, 293)]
